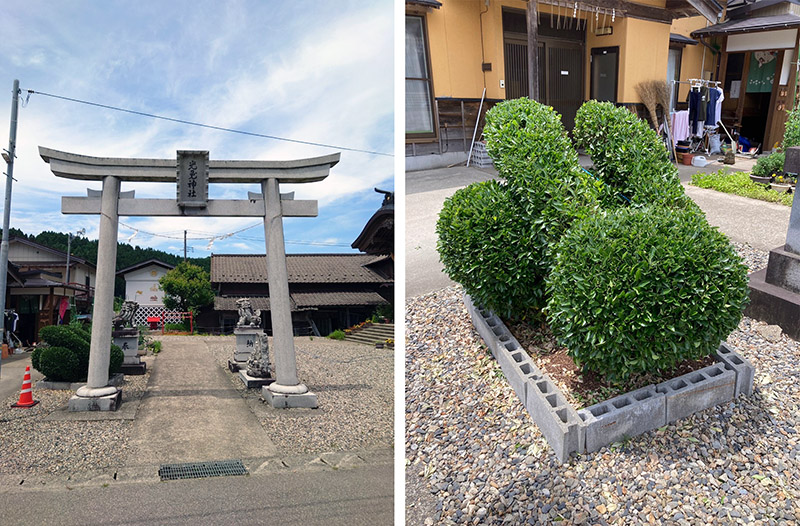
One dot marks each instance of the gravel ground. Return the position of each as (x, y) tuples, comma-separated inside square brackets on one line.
[(353, 384), (355, 391), (31, 445), (474, 456)]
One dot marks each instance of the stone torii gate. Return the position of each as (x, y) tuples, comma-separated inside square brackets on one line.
[(193, 172)]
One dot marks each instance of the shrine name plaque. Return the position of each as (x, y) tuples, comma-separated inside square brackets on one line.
[(193, 178)]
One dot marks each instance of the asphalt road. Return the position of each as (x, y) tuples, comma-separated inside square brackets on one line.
[(352, 497)]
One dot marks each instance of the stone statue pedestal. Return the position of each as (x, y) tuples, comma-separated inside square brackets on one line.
[(775, 292), (128, 341), (245, 343), (253, 381)]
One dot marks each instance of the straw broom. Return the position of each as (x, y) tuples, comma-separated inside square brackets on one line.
[(654, 93), (648, 91)]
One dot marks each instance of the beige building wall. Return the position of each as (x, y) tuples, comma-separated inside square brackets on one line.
[(693, 65), (645, 55), (454, 36)]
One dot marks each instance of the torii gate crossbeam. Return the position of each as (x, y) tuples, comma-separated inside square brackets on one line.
[(192, 201)]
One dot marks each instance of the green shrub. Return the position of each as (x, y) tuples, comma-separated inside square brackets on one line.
[(525, 138), (69, 337), (532, 151), (155, 346), (37, 352), (60, 364), (791, 135), (639, 290), (770, 165), (491, 247), (180, 327), (116, 359), (383, 311), (739, 183), (336, 335), (629, 157), (75, 341)]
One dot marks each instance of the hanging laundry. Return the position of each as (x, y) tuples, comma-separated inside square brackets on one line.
[(680, 125), (711, 112)]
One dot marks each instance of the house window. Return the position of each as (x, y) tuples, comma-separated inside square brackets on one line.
[(419, 92)]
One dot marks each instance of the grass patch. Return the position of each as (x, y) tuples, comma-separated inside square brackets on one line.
[(739, 183)]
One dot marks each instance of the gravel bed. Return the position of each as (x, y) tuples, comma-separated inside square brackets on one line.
[(31, 445), (474, 456), (355, 392)]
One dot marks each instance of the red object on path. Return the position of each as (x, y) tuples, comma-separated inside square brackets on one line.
[(26, 396)]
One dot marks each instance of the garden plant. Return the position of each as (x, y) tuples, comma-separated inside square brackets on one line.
[(630, 276), (65, 354)]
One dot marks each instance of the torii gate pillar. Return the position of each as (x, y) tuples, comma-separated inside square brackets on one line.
[(194, 172), (286, 391)]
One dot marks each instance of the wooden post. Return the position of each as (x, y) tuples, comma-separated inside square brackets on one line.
[(533, 51)]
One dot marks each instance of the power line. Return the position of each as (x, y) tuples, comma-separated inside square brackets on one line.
[(214, 237), (209, 126)]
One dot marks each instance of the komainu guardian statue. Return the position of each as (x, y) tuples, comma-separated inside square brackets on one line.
[(247, 318), (126, 313)]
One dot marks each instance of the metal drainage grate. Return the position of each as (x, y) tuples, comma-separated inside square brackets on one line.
[(197, 470)]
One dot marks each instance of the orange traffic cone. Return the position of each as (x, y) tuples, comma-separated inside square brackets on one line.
[(25, 396)]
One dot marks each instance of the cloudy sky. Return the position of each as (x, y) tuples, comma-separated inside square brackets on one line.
[(309, 70)]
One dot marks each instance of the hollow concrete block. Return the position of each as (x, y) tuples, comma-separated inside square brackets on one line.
[(697, 390), (624, 416)]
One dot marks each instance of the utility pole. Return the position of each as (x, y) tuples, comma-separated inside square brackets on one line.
[(184, 245), (10, 153)]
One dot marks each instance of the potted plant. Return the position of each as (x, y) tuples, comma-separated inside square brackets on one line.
[(782, 183)]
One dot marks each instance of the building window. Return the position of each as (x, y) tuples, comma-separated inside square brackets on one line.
[(419, 93)]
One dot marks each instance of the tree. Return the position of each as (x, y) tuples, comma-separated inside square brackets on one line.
[(187, 288)]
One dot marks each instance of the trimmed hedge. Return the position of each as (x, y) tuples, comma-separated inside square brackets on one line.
[(489, 245), (496, 240), (60, 364), (629, 157), (643, 289), (64, 357)]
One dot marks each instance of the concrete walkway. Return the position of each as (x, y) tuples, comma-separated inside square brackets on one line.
[(191, 412), (760, 224)]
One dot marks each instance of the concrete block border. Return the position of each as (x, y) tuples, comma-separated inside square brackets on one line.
[(569, 431)]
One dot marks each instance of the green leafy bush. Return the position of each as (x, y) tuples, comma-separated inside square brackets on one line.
[(532, 151), (639, 290), (60, 364), (496, 239), (72, 340), (770, 165), (37, 352), (155, 346), (629, 157), (337, 335), (115, 360), (525, 138), (739, 183), (791, 135), (491, 247)]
